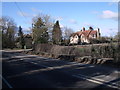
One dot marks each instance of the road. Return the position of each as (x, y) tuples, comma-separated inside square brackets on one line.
[(31, 71)]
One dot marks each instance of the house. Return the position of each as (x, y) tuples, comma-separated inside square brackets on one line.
[(84, 36), (28, 40)]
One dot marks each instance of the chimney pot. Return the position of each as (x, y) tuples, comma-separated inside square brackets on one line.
[(83, 28), (90, 28)]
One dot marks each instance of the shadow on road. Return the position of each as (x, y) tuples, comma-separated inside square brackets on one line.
[(20, 69)]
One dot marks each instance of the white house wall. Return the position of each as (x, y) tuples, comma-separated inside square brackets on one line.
[(74, 40), (84, 39)]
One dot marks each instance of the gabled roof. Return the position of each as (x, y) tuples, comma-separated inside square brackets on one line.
[(86, 33), (27, 36), (93, 32)]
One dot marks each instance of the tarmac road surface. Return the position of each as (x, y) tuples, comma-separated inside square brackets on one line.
[(31, 71)]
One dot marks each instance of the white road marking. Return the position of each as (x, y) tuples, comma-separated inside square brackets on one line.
[(56, 67), (33, 63), (91, 79), (6, 82), (15, 60), (95, 81)]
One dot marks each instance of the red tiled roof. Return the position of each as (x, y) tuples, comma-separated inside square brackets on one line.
[(27, 35), (93, 32), (86, 33)]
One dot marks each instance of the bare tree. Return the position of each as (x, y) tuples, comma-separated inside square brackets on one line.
[(8, 29), (67, 32), (117, 37), (66, 35)]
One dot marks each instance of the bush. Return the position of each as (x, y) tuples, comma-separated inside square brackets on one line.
[(104, 40), (94, 41), (62, 50), (111, 50)]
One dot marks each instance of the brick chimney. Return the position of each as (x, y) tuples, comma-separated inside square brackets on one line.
[(98, 33), (90, 28), (83, 29)]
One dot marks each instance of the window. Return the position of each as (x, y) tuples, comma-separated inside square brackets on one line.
[(76, 36)]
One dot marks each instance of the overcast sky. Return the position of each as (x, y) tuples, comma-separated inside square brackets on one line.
[(73, 15)]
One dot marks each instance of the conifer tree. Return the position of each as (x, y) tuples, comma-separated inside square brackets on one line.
[(40, 32), (56, 33), (21, 37)]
